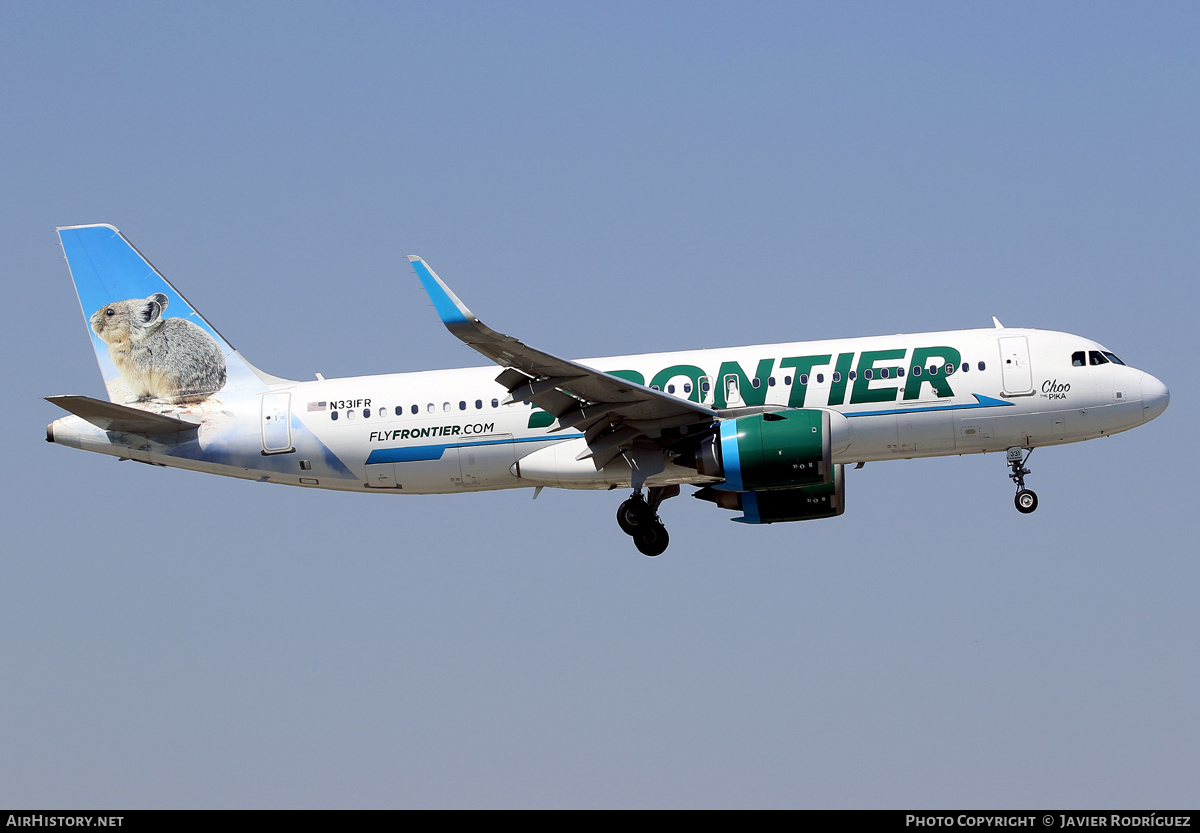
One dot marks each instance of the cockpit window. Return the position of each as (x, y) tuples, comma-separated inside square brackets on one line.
[(1095, 358), (1112, 358), (1078, 359)]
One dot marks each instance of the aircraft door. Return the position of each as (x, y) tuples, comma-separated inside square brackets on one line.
[(1017, 375), (733, 391), (277, 423)]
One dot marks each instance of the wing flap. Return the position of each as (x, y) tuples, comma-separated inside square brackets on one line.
[(582, 418), (614, 441)]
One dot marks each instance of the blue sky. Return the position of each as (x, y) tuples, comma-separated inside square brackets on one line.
[(599, 180)]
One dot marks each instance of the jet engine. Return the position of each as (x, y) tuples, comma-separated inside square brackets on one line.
[(777, 450), (825, 500)]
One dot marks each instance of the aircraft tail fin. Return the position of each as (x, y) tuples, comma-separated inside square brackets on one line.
[(150, 342)]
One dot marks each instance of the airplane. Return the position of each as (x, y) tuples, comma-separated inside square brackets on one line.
[(764, 430)]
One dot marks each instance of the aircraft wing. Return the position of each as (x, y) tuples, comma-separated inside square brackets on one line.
[(109, 416), (613, 413)]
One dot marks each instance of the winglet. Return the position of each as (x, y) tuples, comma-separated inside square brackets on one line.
[(449, 308), (996, 321)]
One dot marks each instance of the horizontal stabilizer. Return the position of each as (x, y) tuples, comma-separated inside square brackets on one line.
[(109, 416)]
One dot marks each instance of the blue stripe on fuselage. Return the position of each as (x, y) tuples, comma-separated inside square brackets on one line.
[(418, 453), (981, 402)]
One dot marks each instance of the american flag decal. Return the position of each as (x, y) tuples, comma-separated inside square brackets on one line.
[(316, 406)]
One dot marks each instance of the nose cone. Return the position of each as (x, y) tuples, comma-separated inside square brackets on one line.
[(1155, 397)]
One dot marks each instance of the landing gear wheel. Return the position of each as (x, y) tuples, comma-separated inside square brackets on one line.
[(1026, 501), (638, 518), (633, 515), (652, 539)]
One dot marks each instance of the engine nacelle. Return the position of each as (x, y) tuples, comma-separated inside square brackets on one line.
[(778, 450), (825, 500)]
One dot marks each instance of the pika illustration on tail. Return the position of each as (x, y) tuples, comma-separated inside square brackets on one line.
[(159, 358)]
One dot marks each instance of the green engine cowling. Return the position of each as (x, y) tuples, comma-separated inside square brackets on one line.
[(806, 503), (778, 450)]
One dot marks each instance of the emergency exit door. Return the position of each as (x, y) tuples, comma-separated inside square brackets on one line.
[(276, 423)]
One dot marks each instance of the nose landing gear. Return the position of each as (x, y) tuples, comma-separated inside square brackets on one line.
[(1026, 500), (638, 518)]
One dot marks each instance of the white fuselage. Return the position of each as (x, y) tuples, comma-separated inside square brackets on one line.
[(450, 431)]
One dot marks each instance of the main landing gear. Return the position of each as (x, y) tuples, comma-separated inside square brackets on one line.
[(1026, 500), (638, 518)]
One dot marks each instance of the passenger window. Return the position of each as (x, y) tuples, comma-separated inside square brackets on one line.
[(333, 415), (771, 382), (349, 414), (446, 407), (867, 374), (899, 372), (787, 380), (416, 409), (687, 387), (933, 370), (1077, 359), (479, 404), (431, 408), (755, 382), (495, 403), (949, 369), (837, 376), (399, 410), (366, 413), (670, 388), (852, 375), (983, 366), (966, 366), (462, 404), (383, 412), (916, 371), (820, 378)]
